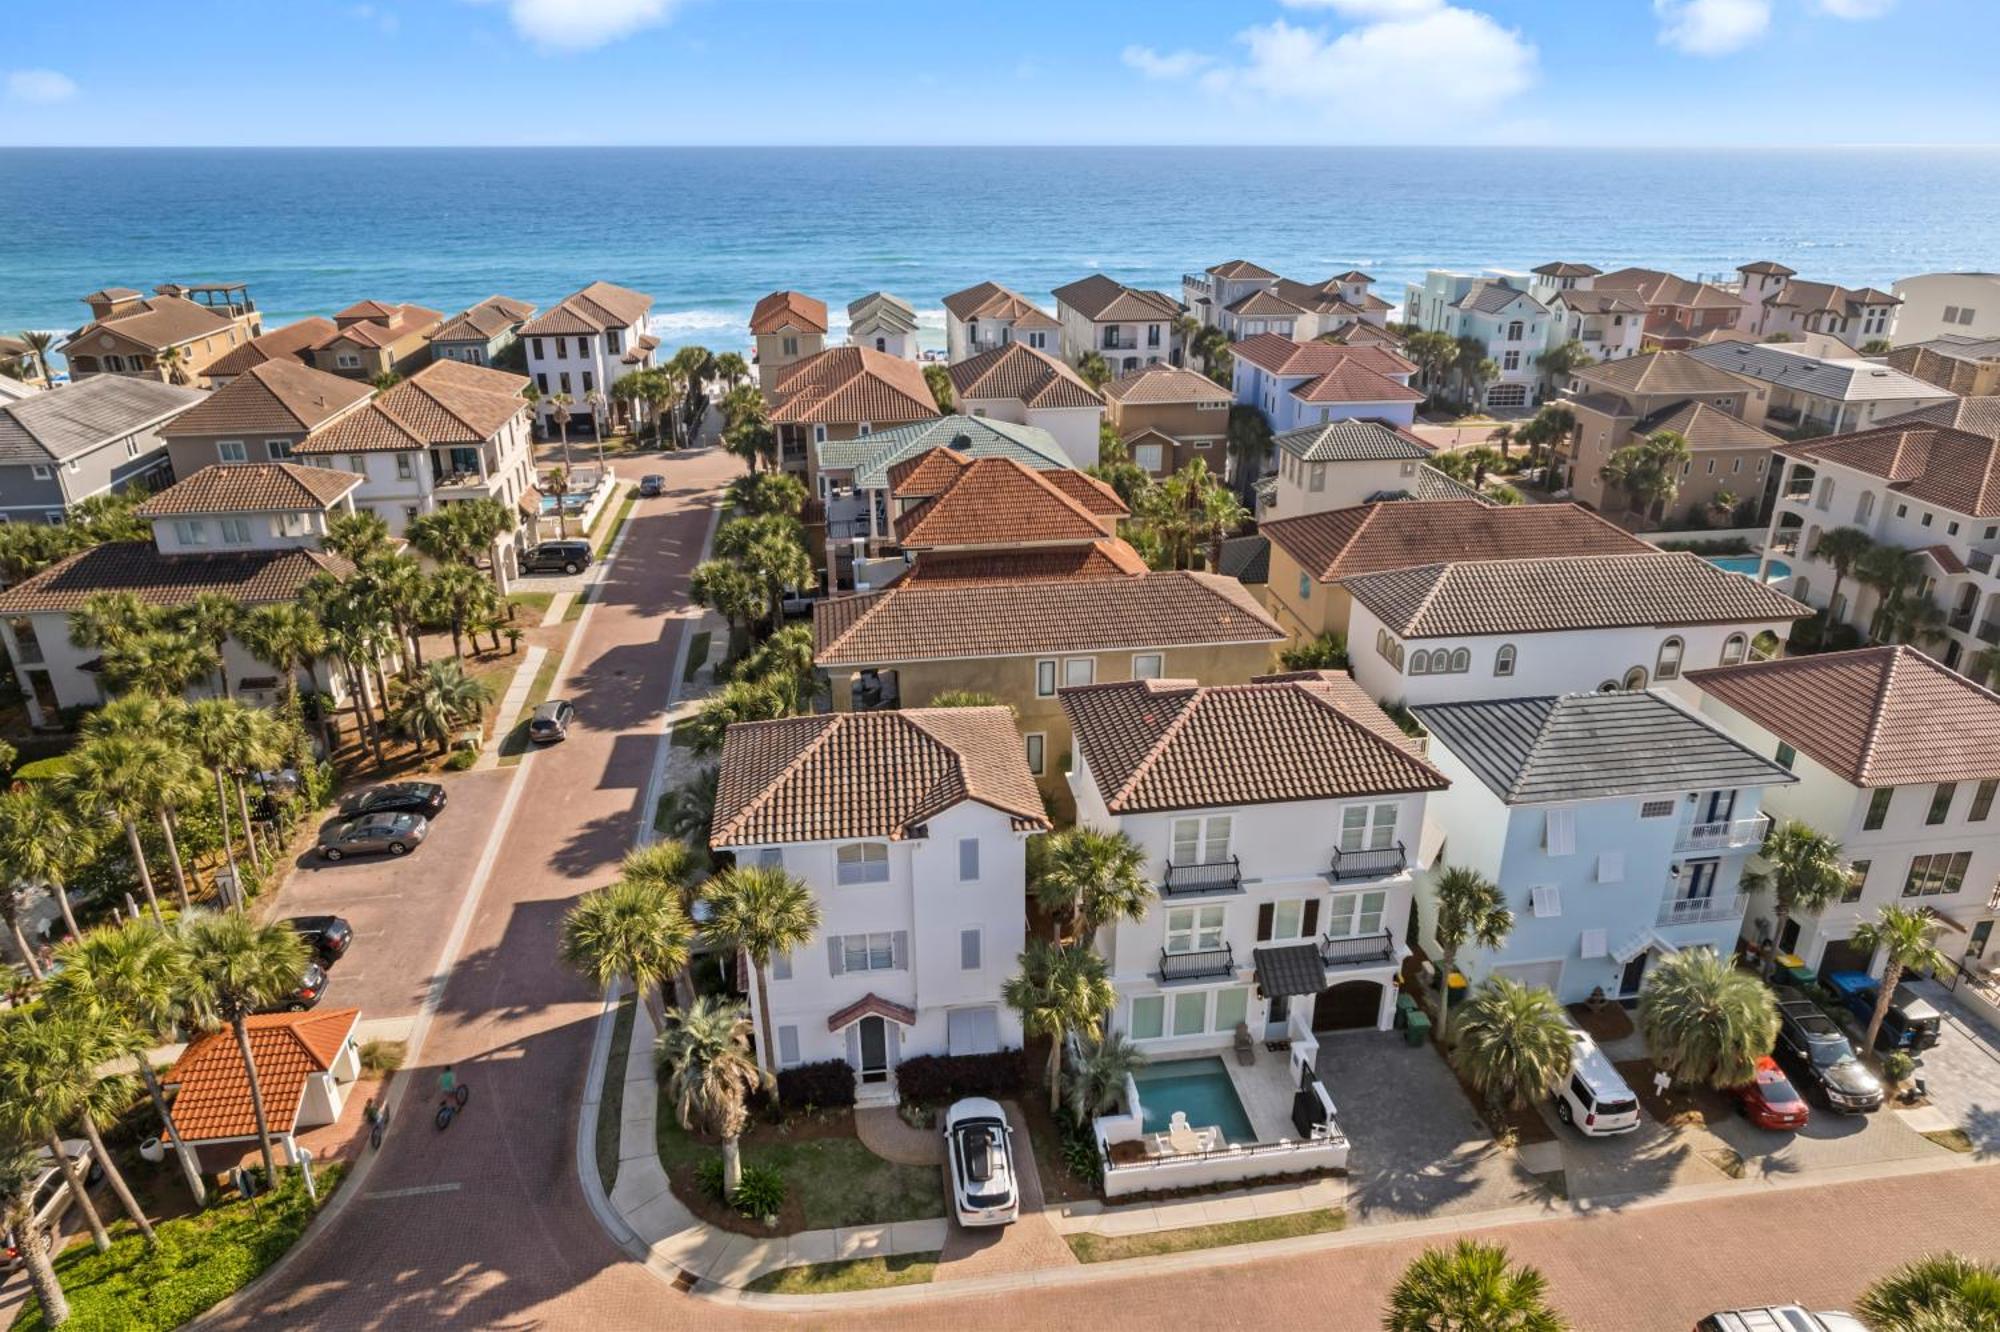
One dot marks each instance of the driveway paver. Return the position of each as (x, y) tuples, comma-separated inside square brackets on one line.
[(1962, 1071)]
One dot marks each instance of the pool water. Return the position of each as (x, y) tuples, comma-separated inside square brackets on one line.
[(1747, 565), (1202, 1088)]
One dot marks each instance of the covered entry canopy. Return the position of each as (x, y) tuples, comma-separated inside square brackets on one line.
[(1290, 969)]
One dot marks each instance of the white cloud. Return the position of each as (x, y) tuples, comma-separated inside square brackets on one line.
[(1170, 65), (579, 25), (1713, 27), (1855, 9), (1370, 9), (42, 86)]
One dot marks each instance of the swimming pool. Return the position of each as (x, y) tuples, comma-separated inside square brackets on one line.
[(1202, 1088), (1747, 564)]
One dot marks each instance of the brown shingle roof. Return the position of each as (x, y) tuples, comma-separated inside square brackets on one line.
[(1952, 469), (1165, 384), (1660, 373), (1018, 371), (1551, 595), (156, 323), (868, 774), (788, 309), (1369, 538), (1172, 744), (276, 487), (213, 1100), (990, 300), (1286, 356), (1099, 297), (280, 344), (1706, 427), (1879, 716), (279, 396), (374, 324), (594, 309), (997, 501), (849, 385), (446, 402), (251, 576)]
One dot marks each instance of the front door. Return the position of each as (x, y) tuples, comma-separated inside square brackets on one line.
[(1721, 804), (1634, 974), (1278, 1025), (874, 1050), (1976, 945)]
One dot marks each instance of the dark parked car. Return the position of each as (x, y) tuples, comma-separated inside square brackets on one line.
[(568, 557), (311, 989), (551, 721), (1769, 1099), (1820, 1049), (651, 485), (1910, 1024), (425, 798), (373, 834), (327, 936)]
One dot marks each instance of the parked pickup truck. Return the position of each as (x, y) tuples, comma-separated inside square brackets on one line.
[(1910, 1024)]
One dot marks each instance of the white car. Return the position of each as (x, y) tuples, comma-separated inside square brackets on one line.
[(52, 1197), (1595, 1100), (979, 1153)]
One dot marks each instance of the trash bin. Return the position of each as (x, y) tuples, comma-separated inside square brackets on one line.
[(1405, 1006), (1800, 975), (1417, 1028)]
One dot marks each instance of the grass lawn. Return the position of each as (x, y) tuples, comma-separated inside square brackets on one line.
[(202, 1259), (577, 603), (536, 604), (617, 524), (1951, 1139), (516, 743), (1110, 1248), (903, 1269), (830, 1178), (613, 1105), (697, 655)]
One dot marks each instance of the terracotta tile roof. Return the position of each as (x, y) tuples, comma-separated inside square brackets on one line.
[(1324, 298), (1945, 558), (280, 344), (1264, 303), (1560, 270), (1108, 558), (1165, 384), (1287, 356), (1599, 302), (276, 487), (788, 309), (849, 385), (446, 402), (1493, 295), (378, 325), (1826, 297), (879, 309), (1878, 716), (931, 472), (594, 309), (155, 322), (1361, 334), (107, 295), (484, 321), (990, 300), (1351, 381), (1019, 372), (1098, 297), (1352, 275), (1355, 439), (1662, 373), (1173, 744), (1657, 288), (1706, 427), (367, 310), (1371, 538), (213, 1100), (1767, 266), (1952, 469), (1240, 268), (278, 396), (251, 576), (841, 775), (998, 502), (872, 1005), (1528, 596), (1100, 497)]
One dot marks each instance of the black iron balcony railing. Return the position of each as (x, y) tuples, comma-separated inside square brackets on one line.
[(1375, 863), (1204, 965), (1357, 950), (1213, 876)]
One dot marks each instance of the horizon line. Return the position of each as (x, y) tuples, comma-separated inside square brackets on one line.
[(567, 145)]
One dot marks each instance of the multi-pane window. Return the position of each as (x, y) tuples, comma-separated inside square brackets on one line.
[(1668, 665), (1936, 874), (1149, 1016), (1191, 1013), (868, 952), (1368, 827), (1288, 919), (1878, 808), (191, 533), (862, 862), (1940, 808), (1195, 929), (235, 531), (231, 451), (1351, 914), (1201, 840)]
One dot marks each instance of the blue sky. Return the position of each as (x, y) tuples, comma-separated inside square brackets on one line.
[(1672, 72)]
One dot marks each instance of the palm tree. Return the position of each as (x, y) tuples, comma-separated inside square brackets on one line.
[(1648, 472), (939, 380), (237, 967), (1704, 1021), (161, 661), (16, 896), (131, 978), (404, 589), (1092, 878), (1097, 1079), (39, 344), (1940, 1292), (726, 588), (772, 549), (1803, 871), (175, 362), (1433, 352), (1843, 548), (1091, 368), (1511, 1043), (732, 368), (689, 810), (1059, 991), (1892, 571), (964, 698), (1470, 1287), (673, 866), (1471, 909), (559, 404), (762, 911), (20, 1170), (40, 843), (215, 728), (106, 619), (108, 773), (359, 536), (462, 596), (35, 1107), (707, 1070), (737, 701), (288, 638), (212, 617), (633, 927), (1907, 939), (438, 701), (766, 492), (60, 1057), (175, 784)]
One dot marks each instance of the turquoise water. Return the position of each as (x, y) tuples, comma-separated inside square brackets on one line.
[(1747, 564), (1202, 1088), (707, 231)]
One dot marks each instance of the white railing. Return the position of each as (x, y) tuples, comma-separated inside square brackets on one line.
[(1723, 834), (1678, 910)]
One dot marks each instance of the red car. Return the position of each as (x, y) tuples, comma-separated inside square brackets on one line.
[(1770, 1100)]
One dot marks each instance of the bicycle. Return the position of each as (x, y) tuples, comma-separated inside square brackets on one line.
[(378, 1121), (450, 1104)]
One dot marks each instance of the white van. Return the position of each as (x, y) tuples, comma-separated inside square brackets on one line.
[(1595, 1101)]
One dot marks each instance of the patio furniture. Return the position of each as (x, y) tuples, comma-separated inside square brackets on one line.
[(1246, 1048), (1179, 1136)]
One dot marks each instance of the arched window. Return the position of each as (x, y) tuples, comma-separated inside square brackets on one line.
[(1802, 588), (1607, 687), (881, 344), (1732, 649), (1420, 663), (1635, 680), (1503, 660), (1461, 661), (1668, 667), (1398, 649)]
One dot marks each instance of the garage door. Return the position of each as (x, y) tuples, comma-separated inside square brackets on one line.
[(1545, 975), (1844, 955), (1348, 1006)]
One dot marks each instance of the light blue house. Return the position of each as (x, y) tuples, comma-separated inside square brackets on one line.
[(1617, 825)]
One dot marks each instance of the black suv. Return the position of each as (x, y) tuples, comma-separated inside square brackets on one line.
[(425, 798), (1816, 1044), (566, 557), (327, 936)]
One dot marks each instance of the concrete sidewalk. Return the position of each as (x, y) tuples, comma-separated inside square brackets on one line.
[(511, 704)]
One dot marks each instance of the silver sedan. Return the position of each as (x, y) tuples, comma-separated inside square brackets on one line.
[(371, 834)]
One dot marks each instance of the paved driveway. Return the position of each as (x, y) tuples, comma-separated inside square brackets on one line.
[(1417, 1147), (1962, 1070)]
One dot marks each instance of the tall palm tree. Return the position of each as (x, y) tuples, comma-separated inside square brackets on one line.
[(1907, 939), (1470, 1287), (1511, 1043), (166, 662), (1940, 1292), (1059, 991), (438, 701), (632, 927), (235, 968), (288, 638), (672, 866), (356, 625), (215, 730), (16, 896), (1648, 472), (1704, 1021), (60, 1056), (35, 1107), (360, 536), (20, 1171), (461, 596), (212, 617), (559, 404), (1843, 548), (41, 843), (404, 590), (175, 785), (732, 368), (1097, 1079), (762, 911), (1892, 571), (1803, 870), (132, 978), (1470, 909), (772, 549), (108, 774), (1093, 370), (707, 1071), (175, 362), (39, 344), (1090, 879), (737, 701)]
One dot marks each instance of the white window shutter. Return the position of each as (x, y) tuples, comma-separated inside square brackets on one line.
[(1594, 943), (1611, 867), (834, 961), (1559, 836), (1545, 899), (899, 950)]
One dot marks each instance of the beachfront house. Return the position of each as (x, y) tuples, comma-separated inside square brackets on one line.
[(1127, 326), (63, 446), (1968, 366), (886, 323), (1679, 313), (371, 339), (292, 343), (1781, 304), (1499, 312), (987, 316), (786, 327), (578, 348), (485, 334), (171, 336)]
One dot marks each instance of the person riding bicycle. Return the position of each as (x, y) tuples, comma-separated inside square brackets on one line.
[(447, 1082)]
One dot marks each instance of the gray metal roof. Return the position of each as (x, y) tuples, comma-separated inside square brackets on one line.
[(1845, 379), (1490, 296), (66, 422), (872, 456), (1592, 746), (1247, 559), (1355, 439)]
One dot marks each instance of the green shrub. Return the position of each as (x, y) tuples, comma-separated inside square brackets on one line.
[(461, 760), (826, 1085), (383, 1056), (760, 1193), (42, 770), (708, 1176), (936, 1079), (1898, 1065), (1079, 1150)]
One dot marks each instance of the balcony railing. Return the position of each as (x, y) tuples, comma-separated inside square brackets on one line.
[(1961, 621), (1203, 965), (1786, 542), (1989, 631), (1723, 834), (1677, 910), (1198, 282), (1979, 561), (1213, 876), (1376, 863), (1358, 951)]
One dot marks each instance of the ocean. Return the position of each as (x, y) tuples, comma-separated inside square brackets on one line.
[(707, 231)]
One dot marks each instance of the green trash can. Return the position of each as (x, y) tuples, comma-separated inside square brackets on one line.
[(1405, 1006), (1417, 1029), (1802, 976)]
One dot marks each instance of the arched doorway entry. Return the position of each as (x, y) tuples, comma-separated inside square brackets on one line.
[(1349, 1006)]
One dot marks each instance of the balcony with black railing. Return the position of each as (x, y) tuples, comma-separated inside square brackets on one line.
[(1360, 950), (1206, 877), (1205, 964), (1372, 863)]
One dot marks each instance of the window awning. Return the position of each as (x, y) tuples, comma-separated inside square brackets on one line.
[(1290, 969)]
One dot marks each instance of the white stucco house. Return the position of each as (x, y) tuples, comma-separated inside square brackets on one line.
[(988, 316), (1128, 326), (1499, 311), (580, 347), (1937, 304), (1779, 301), (1299, 384), (910, 828), (1616, 825), (1018, 384), (886, 323)]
